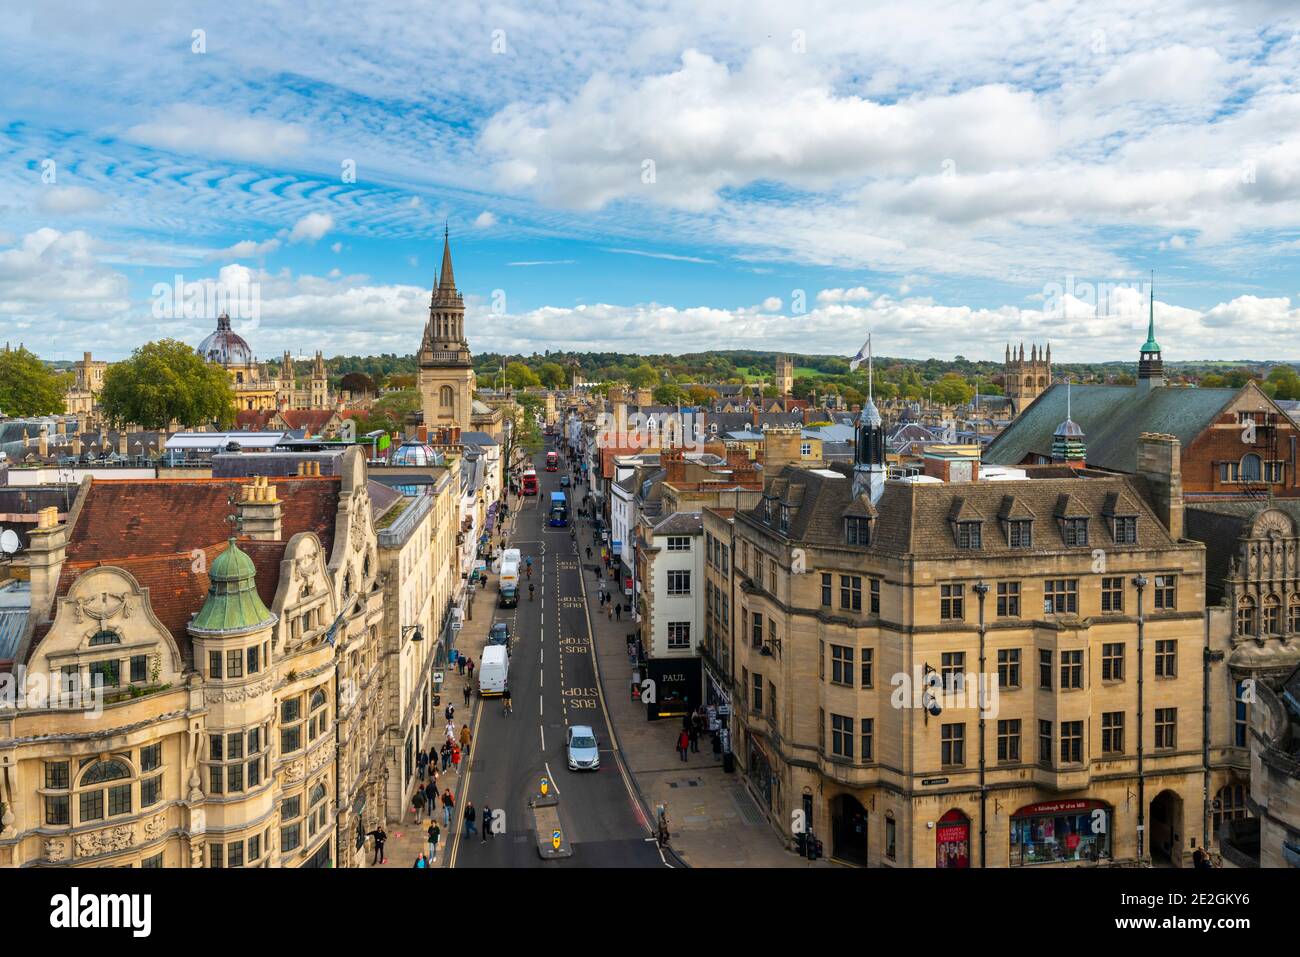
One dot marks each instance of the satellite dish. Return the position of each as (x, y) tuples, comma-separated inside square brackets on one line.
[(9, 541)]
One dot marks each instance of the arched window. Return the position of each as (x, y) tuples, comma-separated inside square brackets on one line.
[(1250, 469), (239, 378), (317, 722), (446, 397), (1245, 615), (1273, 615), (316, 808), (98, 798), (1293, 615), (1042, 381), (105, 637)]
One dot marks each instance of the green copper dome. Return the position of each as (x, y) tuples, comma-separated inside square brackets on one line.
[(233, 605)]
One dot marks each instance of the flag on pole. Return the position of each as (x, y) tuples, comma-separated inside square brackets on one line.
[(862, 355)]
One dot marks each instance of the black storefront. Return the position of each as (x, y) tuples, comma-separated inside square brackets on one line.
[(676, 685)]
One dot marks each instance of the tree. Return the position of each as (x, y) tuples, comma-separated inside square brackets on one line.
[(700, 395), (1286, 381), (551, 375), (952, 390), (519, 376), (1213, 381), (28, 386), (402, 381), (357, 383), (669, 394), (167, 380), (643, 376)]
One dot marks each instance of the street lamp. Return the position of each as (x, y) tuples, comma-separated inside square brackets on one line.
[(1140, 582), (981, 590), (418, 636)]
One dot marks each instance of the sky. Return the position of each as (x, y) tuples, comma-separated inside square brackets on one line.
[(666, 176)]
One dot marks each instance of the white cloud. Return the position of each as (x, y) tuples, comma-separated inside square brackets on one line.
[(311, 227), (68, 200), (672, 256), (856, 294), (336, 248), (246, 249), (484, 220), (196, 130), (771, 304)]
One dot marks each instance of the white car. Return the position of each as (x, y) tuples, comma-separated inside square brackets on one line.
[(580, 742)]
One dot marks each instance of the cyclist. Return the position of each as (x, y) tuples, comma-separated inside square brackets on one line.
[(530, 591), (505, 702), (528, 561), (529, 569)]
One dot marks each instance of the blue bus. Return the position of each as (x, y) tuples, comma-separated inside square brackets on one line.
[(559, 509)]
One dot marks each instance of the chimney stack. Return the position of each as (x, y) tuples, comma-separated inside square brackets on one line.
[(46, 549), (1159, 461), (260, 511), (43, 441)]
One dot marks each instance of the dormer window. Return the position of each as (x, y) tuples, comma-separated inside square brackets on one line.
[(767, 511), (968, 534), (1020, 533), (1124, 529), (785, 518), (1074, 531), (857, 530)]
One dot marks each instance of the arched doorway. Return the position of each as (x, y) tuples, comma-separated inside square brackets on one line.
[(952, 840), (1165, 825), (849, 830)]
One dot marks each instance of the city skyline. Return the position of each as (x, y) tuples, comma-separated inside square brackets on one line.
[(936, 198)]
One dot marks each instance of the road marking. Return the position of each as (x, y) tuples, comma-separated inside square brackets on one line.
[(542, 729), (464, 790), (549, 776)]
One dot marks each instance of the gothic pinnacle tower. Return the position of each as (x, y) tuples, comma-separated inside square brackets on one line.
[(447, 380)]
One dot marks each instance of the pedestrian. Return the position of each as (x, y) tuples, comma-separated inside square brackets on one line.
[(455, 758), (450, 712), (420, 861), (445, 754), (588, 552), (435, 832), (448, 805), (695, 738), (449, 730), (460, 666), (487, 823), (683, 743), (467, 694), (469, 817), (417, 804), (380, 837), (431, 797), (618, 611), (422, 761), (465, 738), (470, 668), (609, 612)]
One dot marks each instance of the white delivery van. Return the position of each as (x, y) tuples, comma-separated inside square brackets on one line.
[(510, 557), (493, 669), (509, 575)]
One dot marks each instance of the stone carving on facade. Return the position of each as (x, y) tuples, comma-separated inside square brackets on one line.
[(196, 791), (293, 772), (360, 507), (196, 854), (55, 849), (104, 842), (234, 695), (155, 826), (318, 758)]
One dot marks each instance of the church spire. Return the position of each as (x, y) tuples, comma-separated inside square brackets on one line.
[(1151, 368), (446, 279)]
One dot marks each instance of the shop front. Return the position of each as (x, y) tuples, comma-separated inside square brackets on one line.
[(676, 684), (952, 840), (1055, 832)]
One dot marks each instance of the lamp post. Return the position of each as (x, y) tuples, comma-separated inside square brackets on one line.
[(1140, 582), (981, 590)]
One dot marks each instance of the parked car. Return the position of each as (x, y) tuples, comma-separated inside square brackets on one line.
[(564, 481), (580, 742), (508, 597), (500, 635)]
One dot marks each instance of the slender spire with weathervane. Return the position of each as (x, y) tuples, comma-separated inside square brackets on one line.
[(1151, 369), (868, 438)]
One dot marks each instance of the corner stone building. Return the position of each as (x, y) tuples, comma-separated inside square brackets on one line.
[(241, 718), (843, 608)]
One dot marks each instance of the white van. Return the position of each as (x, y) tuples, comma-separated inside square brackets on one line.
[(509, 575), (510, 557), (493, 669)]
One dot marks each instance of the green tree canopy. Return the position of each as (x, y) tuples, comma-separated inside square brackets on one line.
[(700, 395), (355, 382), (519, 376), (643, 376), (669, 394), (1286, 381), (28, 386), (551, 375), (952, 390), (167, 380)]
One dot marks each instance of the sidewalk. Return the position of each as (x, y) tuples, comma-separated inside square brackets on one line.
[(408, 839), (714, 820)]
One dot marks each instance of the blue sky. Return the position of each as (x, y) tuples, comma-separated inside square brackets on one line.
[(657, 177)]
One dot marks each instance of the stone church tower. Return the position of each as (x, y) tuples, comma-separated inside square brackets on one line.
[(1024, 380), (446, 371), (784, 381)]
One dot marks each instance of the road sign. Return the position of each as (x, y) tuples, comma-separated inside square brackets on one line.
[(546, 786), (555, 839)]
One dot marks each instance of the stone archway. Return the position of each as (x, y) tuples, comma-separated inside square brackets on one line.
[(1165, 828), (849, 830)]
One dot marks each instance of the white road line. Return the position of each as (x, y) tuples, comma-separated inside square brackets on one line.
[(541, 679), (540, 699), (542, 729), (549, 776)]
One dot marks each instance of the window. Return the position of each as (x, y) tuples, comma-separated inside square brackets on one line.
[(104, 637), (1112, 594), (826, 590), (1074, 531), (841, 736), (1125, 529), (254, 661), (867, 660), (319, 720), (1229, 804), (1020, 533), (105, 674), (216, 855), (805, 449), (842, 665), (1071, 742), (875, 595), (757, 632), (679, 582), (891, 837), (857, 530), (254, 847), (290, 725), (290, 837), (139, 668), (1272, 615), (679, 543), (951, 603), (1112, 732), (868, 734), (1245, 616), (952, 738), (767, 511), (1044, 742), (1250, 467), (851, 592), (1008, 599), (1165, 592), (57, 806), (235, 854), (1045, 669), (758, 693), (952, 667), (1008, 667), (785, 518), (1061, 596), (234, 664), (1071, 669), (968, 534), (1239, 719), (1009, 740), (679, 634), (1166, 727), (1112, 661), (1166, 658), (105, 798), (316, 810), (152, 863)]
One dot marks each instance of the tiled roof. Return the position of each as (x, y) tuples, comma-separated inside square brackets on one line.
[(1112, 418), (681, 523), (312, 420)]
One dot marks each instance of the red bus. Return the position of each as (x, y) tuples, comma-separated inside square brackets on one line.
[(530, 482), (552, 461)]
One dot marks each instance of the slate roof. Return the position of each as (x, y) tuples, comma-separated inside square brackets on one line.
[(916, 517), (1112, 418), (1220, 524), (681, 523)]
